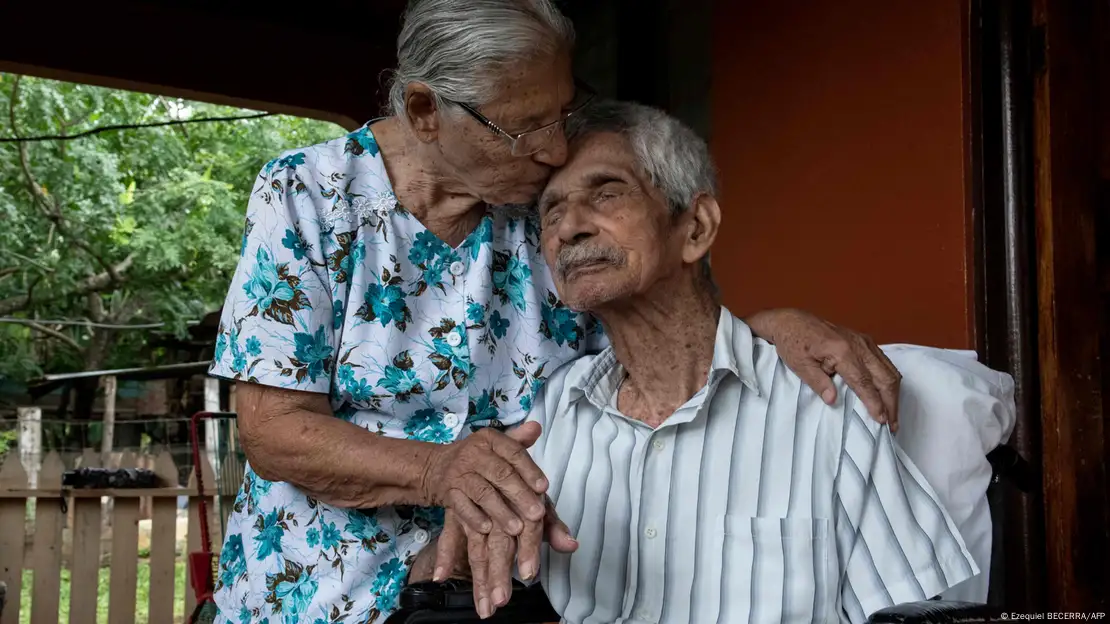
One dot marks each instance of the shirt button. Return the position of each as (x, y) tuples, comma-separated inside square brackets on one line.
[(450, 420), (658, 445), (421, 536), (457, 268), (650, 533), (454, 339)]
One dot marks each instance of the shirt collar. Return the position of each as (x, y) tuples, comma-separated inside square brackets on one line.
[(733, 352)]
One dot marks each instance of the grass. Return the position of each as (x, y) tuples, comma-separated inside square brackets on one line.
[(142, 595)]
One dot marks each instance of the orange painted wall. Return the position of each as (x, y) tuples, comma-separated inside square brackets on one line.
[(838, 127)]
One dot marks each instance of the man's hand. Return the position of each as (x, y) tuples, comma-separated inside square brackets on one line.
[(489, 480), (490, 556), (816, 350)]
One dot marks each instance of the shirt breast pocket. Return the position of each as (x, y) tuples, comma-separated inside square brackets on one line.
[(776, 569)]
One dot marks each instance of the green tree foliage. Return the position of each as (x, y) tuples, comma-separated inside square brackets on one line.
[(120, 227)]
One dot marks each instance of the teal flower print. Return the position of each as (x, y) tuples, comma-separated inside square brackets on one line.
[(425, 247), (385, 304), (221, 344), (312, 537), (365, 529), (361, 142), (387, 584), (399, 378), (254, 346), (454, 362), (270, 531), (330, 536), (244, 615), (313, 354), (482, 235), (361, 391), (484, 408), (345, 375), (291, 591), (273, 291), (559, 323), (292, 160), (498, 324), (426, 425), (351, 260), (233, 560), (294, 242), (238, 356), (475, 313), (511, 278), (337, 315)]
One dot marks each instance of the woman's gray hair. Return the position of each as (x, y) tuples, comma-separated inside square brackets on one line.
[(675, 158), (460, 47)]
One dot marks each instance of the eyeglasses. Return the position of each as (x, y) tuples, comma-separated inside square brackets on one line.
[(532, 141)]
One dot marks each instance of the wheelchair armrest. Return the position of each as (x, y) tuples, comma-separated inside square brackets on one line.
[(937, 612), (527, 605)]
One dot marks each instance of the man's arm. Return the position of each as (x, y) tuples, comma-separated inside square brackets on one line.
[(895, 542)]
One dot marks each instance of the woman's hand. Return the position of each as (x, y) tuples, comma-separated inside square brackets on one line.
[(488, 480), (815, 350)]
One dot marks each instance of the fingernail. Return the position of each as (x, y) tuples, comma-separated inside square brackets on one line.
[(499, 598), (487, 526), (515, 526), (439, 575), (536, 512), (527, 571), (483, 608), (829, 395), (541, 485)]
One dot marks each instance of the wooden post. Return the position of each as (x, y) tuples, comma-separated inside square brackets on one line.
[(13, 515), (47, 550), (163, 527), (108, 425), (107, 438), (30, 443), (125, 555), (85, 567)]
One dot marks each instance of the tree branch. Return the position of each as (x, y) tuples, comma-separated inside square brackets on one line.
[(49, 205), (51, 332), (96, 283)]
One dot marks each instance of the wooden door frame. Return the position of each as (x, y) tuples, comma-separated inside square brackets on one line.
[(1068, 129)]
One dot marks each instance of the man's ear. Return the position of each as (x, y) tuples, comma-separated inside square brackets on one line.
[(705, 222), (421, 111)]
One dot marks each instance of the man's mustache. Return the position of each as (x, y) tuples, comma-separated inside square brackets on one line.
[(572, 256)]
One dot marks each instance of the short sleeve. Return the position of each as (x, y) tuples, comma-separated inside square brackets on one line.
[(278, 325), (895, 541)]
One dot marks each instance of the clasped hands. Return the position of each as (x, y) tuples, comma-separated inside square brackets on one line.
[(498, 514)]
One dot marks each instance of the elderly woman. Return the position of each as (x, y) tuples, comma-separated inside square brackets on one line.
[(385, 323)]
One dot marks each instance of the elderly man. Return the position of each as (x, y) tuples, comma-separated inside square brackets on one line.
[(703, 480)]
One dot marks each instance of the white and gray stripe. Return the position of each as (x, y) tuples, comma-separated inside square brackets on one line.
[(754, 502)]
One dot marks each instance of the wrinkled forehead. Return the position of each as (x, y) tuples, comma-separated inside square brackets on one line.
[(593, 158)]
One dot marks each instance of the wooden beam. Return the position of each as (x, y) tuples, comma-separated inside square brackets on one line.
[(250, 58), (1076, 487)]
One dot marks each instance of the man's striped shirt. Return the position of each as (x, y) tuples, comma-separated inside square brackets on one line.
[(754, 502)]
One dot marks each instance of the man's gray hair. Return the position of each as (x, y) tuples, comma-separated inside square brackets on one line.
[(460, 47), (675, 158)]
